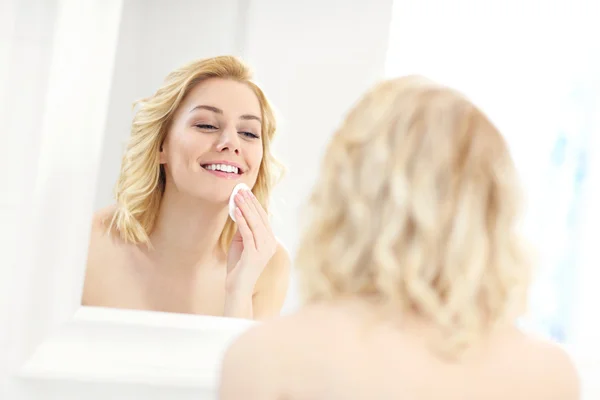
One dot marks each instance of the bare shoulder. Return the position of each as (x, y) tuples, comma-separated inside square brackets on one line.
[(102, 248), (277, 272), (102, 218), (269, 349), (271, 289), (250, 368), (279, 266), (266, 361), (255, 340), (101, 233), (283, 334), (557, 368)]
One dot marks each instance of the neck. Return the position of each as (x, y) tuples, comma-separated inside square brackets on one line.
[(187, 230)]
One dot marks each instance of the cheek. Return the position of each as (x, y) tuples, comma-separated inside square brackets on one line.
[(255, 156), (185, 148)]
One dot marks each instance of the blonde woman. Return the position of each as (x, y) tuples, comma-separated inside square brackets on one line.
[(411, 266), (168, 244)]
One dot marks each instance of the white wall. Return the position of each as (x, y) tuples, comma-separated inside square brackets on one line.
[(26, 31), (25, 51)]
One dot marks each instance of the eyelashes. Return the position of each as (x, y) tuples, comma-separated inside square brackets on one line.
[(209, 127), (250, 135)]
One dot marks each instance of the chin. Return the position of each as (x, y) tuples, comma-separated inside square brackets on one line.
[(215, 193), (213, 189), (220, 196)]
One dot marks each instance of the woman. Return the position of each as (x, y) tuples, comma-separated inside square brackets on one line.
[(169, 244), (411, 266)]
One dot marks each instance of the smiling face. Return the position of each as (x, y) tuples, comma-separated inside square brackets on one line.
[(214, 141)]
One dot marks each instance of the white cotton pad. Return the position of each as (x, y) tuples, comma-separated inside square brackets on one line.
[(232, 205)]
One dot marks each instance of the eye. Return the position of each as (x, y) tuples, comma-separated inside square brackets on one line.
[(249, 135), (206, 126)]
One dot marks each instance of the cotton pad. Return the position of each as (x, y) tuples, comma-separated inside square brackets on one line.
[(232, 205)]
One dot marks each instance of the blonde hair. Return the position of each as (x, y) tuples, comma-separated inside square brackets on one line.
[(417, 205), (141, 182)]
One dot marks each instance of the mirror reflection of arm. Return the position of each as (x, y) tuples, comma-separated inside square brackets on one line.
[(269, 292), (271, 289)]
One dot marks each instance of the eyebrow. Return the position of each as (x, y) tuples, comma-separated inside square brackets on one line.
[(219, 111)]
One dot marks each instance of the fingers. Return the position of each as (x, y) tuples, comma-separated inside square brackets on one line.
[(251, 216), (254, 216), (245, 231), (258, 207), (254, 225), (245, 204)]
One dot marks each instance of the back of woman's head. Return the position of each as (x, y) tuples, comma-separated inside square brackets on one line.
[(416, 206), (142, 179)]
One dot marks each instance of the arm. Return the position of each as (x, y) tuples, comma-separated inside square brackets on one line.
[(238, 303), (269, 292), (271, 288)]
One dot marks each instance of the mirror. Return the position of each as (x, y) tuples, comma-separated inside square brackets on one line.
[(161, 236), (150, 48)]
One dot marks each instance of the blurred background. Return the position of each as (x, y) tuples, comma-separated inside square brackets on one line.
[(533, 67)]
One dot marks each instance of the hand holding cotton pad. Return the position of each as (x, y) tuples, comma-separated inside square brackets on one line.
[(232, 205)]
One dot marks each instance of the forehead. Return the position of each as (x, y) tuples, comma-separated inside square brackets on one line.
[(235, 98)]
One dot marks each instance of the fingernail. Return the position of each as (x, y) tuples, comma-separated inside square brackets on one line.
[(240, 197), (248, 194)]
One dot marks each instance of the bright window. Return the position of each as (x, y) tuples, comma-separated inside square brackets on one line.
[(533, 67)]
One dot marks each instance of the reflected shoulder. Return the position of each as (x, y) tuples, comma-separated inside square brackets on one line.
[(102, 233), (281, 261), (102, 217), (277, 271), (99, 257), (271, 289)]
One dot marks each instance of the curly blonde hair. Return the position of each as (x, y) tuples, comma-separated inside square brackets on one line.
[(141, 182), (417, 206)]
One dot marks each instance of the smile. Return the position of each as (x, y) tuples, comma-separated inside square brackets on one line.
[(222, 169)]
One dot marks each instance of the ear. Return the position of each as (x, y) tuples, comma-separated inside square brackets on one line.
[(162, 154)]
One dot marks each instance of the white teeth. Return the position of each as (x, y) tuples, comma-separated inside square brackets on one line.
[(222, 167)]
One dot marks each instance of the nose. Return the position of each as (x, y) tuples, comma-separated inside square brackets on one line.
[(229, 141)]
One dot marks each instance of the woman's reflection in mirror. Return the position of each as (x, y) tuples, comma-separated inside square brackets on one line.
[(168, 243)]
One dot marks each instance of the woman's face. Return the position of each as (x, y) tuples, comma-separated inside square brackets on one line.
[(214, 141)]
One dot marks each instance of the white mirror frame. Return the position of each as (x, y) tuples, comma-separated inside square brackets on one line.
[(55, 337)]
